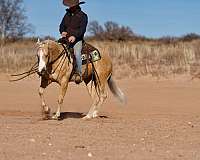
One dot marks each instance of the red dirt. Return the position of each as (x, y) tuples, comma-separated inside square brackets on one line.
[(160, 122)]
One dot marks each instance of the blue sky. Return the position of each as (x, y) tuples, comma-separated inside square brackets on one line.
[(151, 18)]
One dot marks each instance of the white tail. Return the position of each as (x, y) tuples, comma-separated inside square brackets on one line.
[(116, 91)]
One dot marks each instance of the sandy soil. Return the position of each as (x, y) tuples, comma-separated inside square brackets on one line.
[(160, 122)]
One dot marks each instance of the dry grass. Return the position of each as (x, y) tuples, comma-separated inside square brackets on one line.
[(155, 59), (129, 59), (16, 56)]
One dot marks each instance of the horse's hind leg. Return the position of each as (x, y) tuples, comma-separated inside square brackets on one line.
[(98, 95), (102, 97), (45, 108), (95, 99)]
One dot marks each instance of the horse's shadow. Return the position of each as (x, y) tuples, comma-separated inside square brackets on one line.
[(65, 115), (77, 115)]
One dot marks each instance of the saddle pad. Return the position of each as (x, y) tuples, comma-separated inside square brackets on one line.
[(93, 57), (88, 51)]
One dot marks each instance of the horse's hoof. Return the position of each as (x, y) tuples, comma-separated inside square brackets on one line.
[(46, 118), (87, 117), (46, 112), (95, 114), (55, 117)]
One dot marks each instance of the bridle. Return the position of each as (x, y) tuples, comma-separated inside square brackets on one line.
[(34, 69), (64, 54)]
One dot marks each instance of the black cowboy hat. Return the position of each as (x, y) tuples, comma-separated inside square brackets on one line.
[(71, 3)]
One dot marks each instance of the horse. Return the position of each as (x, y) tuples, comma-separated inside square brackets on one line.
[(55, 64)]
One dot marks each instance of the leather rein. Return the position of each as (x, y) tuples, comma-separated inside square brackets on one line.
[(64, 54)]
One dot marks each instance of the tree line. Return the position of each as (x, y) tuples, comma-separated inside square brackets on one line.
[(115, 32)]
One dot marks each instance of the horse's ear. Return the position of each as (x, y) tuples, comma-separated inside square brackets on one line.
[(38, 41)]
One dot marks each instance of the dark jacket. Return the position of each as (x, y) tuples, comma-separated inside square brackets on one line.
[(74, 23)]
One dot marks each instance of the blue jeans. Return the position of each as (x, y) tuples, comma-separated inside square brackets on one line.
[(77, 52)]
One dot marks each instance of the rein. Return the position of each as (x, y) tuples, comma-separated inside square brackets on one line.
[(64, 52), (31, 71), (67, 51)]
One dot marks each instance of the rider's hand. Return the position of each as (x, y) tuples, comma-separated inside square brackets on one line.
[(64, 34), (72, 39)]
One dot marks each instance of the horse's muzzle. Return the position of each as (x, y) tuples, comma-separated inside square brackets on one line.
[(41, 73)]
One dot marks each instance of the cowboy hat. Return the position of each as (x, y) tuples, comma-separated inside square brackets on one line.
[(71, 3)]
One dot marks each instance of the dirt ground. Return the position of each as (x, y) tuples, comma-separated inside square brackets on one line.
[(161, 121)]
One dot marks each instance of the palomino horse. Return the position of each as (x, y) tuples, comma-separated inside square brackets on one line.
[(54, 66)]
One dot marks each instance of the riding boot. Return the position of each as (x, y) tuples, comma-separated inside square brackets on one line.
[(78, 74), (78, 78)]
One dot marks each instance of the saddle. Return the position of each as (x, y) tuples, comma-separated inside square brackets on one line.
[(89, 53)]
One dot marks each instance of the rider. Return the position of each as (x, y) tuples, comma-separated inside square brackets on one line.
[(73, 26)]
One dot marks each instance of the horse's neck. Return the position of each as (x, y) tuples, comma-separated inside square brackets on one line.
[(55, 53), (59, 56)]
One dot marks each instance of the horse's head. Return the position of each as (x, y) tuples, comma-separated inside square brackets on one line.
[(45, 55)]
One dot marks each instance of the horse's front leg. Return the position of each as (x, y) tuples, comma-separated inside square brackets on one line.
[(45, 108), (62, 92)]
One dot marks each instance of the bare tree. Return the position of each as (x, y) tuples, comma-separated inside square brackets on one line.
[(110, 31), (13, 22), (111, 27), (94, 28)]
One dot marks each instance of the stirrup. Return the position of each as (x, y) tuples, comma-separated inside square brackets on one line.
[(78, 78)]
